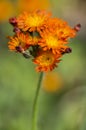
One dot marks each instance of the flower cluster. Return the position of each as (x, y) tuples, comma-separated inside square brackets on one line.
[(42, 37)]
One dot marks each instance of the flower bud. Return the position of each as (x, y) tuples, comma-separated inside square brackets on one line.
[(77, 27), (13, 21), (16, 30)]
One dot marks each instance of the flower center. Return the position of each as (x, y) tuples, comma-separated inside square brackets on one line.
[(47, 59), (34, 21), (52, 42)]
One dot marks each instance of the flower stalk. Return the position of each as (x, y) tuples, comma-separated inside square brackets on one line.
[(34, 112)]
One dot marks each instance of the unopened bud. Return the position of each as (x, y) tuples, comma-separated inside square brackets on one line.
[(68, 50), (16, 30), (13, 21), (77, 27), (19, 49)]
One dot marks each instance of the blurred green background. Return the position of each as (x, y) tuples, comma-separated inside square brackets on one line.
[(64, 109)]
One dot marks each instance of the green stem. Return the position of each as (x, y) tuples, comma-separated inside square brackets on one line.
[(34, 112)]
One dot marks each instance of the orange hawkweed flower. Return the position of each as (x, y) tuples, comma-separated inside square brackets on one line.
[(56, 35), (34, 21), (56, 23), (46, 60), (52, 42), (66, 33), (19, 42), (61, 28)]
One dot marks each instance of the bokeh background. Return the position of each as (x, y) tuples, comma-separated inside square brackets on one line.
[(62, 101)]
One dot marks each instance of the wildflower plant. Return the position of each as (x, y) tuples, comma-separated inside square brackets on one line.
[(44, 39)]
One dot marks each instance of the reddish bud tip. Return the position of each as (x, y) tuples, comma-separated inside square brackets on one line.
[(19, 49), (16, 30), (77, 27), (13, 21), (68, 50)]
